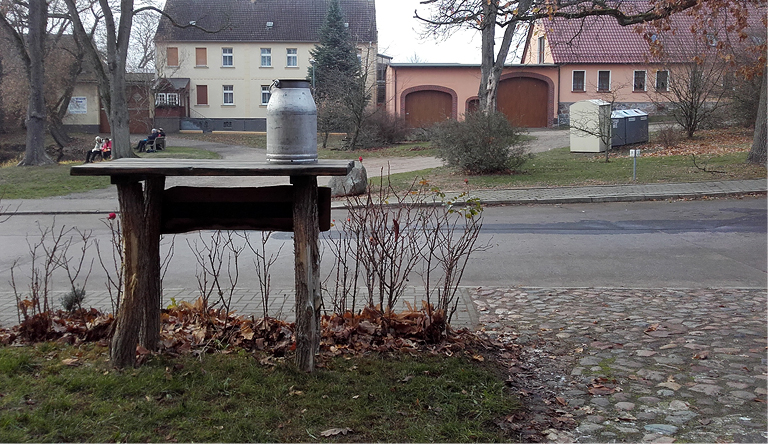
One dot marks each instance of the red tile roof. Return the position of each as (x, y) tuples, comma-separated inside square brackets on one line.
[(601, 39)]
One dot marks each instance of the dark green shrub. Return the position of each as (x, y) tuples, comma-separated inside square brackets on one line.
[(73, 300), (481, 144)]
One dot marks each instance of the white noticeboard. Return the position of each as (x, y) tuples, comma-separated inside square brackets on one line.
[(78, 105)]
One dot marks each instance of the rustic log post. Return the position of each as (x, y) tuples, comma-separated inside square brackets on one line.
[(138, 319), (307, 268), (149, 266), (129, 317)]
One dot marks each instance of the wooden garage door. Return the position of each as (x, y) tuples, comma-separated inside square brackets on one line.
[(524, 101), (425, 108)]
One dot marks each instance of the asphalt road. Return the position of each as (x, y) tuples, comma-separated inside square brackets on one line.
[(683, 244)]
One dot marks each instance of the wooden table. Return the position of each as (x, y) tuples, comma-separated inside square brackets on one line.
[(145, 217)]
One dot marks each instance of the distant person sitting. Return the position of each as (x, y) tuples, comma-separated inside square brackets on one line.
[(96, 150), (150, 138), (106, 149)]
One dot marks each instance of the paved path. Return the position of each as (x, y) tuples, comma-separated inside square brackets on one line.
[(642, 365)]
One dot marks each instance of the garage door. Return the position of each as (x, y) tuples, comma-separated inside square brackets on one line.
[(425, 108), (524, 101)]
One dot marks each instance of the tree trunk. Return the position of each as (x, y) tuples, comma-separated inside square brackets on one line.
[(488, 83), (307, 259), (757, 155), (36, 112), (2, 107)]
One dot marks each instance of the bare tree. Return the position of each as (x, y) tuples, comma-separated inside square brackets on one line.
[(32, 53)]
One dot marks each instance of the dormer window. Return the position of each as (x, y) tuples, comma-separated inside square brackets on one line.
[(270, 24)]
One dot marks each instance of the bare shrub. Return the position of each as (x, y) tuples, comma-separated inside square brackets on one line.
[(667, 136), (263, 265), (391, 235)]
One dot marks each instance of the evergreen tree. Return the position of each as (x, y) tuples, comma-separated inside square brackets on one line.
[(335, 56)]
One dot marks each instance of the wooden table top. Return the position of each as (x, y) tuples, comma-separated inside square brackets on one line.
[(197, 167)]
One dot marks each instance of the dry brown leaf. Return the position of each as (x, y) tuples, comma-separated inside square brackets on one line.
[(561, 401), (478, 358), (72, 362), (701, 355), (599, 390)]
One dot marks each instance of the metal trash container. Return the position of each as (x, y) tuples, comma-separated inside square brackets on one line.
[(618, 128), (291, 123), (636, 126)]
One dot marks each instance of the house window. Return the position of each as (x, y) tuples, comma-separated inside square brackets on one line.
[(266, 57), (201, 57), (292, 57), (578, 81), (172, 56), (229, 95), (202, 94), (662, 80), (227, 57), (169, 99), (639, 83), (265, 94), (603, 81), (542, 46)]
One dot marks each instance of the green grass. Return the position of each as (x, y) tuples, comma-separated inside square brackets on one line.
[(334, 150), (177, 152), (45, 181), (560, 167), (54, 180), (232, 398)]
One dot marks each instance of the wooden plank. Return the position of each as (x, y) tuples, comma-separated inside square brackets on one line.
[(140, 168), (263, 208)]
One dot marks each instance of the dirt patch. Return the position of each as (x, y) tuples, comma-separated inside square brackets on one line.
[(12, 148)]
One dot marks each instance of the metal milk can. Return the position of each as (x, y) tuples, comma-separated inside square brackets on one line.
[(291, 123)]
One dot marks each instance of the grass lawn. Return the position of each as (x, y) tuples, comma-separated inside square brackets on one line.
[(52, 392), (334, 147), (54, 180), (560, 167)]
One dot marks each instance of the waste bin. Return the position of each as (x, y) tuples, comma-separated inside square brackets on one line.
[(636, 126), (590, 126), (618, 128)]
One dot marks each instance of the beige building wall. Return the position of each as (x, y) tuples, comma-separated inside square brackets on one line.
[(246, 76), (533, 55)]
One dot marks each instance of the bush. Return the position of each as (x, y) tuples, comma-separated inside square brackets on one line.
[(382, 129), (667, 136), (73, 300), (481, 144)]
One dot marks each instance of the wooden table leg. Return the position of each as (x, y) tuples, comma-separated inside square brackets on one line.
[(138, 318), (307, 268)]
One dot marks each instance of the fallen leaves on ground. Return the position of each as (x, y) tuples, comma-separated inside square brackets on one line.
[(336, 431), (706, 142), (193, 327)]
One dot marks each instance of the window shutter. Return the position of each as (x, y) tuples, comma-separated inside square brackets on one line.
[(201, 57), (173, 56), (202, 94)]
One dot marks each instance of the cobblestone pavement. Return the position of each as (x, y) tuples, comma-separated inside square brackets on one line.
[(651, 365)]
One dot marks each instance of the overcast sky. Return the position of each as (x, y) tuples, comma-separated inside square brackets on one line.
[(399, 36)]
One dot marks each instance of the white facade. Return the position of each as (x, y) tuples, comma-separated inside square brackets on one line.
[(232, 80)]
